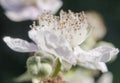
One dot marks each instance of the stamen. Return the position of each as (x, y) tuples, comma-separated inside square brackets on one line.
[(73, 26)]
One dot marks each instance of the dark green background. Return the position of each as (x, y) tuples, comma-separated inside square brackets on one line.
[(13, 64)]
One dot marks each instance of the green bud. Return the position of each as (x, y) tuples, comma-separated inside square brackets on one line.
[(38, 69), (45, 69)]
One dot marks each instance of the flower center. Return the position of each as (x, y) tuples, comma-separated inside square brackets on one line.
[(72, 26)]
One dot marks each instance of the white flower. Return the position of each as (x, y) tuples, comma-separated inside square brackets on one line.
[(60, 36), (19, 10)]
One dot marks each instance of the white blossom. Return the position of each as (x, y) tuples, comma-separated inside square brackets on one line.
[(19, 10), (61, 37)]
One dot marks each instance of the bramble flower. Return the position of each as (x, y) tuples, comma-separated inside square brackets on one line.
[(61, 37), (19, 10)]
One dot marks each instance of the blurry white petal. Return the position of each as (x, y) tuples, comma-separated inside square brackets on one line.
[(28, 13), (12, 4), (105, 52), (94, 66), (49, 5), (19, 10), (20, 45), (106, 78)]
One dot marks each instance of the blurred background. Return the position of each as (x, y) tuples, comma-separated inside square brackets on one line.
[(13, 64)]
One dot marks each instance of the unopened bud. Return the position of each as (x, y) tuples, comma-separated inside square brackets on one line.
[(38, 69)]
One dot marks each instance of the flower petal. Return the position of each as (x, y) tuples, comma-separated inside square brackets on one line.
[(52, 40), (99, 54), (20, 45), (94, 66), (105, 52), (60, 46), (12, 5), (37, 37), (90, 60), (102, 67), (49, 5), (24, 14), (83, 56)]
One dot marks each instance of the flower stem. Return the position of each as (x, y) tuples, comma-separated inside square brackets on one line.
[(57, 68)]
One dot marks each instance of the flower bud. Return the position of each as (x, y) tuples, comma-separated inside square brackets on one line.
[(38, 69)]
